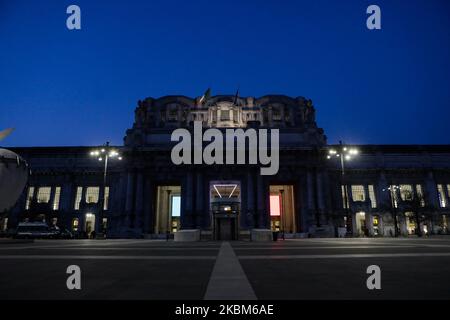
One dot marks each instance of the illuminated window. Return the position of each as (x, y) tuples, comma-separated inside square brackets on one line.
[(275, 205), (358, 193), (344, 193), (29, 197), (175, 210), (406, 192), (92, 194), (75, 223), (78, 198), (373, 199), (106, 202), (448, 190), (176, 206), (419, 193), (43, 195), (441, 195), (394, 195), (5, 224), (275, 212), (56, 198), (410, 222)]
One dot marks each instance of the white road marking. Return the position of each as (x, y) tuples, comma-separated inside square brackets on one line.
[(131, 248), (98, 257), (346, 256), (228, 281), (322, 247)]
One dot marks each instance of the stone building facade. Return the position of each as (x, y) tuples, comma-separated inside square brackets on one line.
[(146, 195)]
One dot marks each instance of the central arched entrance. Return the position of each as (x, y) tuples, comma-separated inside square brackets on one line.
[(225, 206)]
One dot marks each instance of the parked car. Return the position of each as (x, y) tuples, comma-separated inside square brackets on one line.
[(33, 230)]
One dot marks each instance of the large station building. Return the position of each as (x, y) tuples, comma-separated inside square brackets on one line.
[(146, 195)]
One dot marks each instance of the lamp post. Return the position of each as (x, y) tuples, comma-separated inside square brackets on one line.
[(344, 154), (103, 154), (393, 195)]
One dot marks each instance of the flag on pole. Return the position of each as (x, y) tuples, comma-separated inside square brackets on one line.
[(5, 133), (205, 97), (236, 97)]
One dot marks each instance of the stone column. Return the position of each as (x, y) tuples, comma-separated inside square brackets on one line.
[(320, 196), (262, 202), (200, 219), (431, 190), (148, 210), (301, 204), (250, 201), (383, 197), (129, 198), (310, 191), (187, 200), (369, 223), (139, 202), (66, 203), (52, 197), (270, 116)]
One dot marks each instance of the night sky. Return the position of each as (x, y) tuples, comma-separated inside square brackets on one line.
[(60, 87)]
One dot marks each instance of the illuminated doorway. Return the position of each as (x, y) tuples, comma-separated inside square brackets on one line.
[(361, 229), (410, 223), (168, 209), (282, 208), (89, 224), (376, 225), (225, 205)]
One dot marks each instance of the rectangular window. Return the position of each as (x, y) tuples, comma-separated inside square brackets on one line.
[(448, 190), (276, 115), (56, 198), (275, 205), (358, 193), (373, 200), (5, 224), (406, 192), (419, 193), (176, 206), (106, 201), (394, 195), (92, 194), (441, 195), (225, 115), (75, 224), (78, 198), (344, 192), (43, 195), (29, 197)]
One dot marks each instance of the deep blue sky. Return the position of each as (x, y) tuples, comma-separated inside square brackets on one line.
[(61, 87)]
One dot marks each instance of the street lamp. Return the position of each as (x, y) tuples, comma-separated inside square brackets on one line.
[(344, 154), (394, 202), (103, 154)]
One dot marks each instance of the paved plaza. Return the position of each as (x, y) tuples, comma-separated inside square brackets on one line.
[(411, 268)]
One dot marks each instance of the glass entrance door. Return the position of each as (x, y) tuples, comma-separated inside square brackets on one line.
[(225, 205)]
